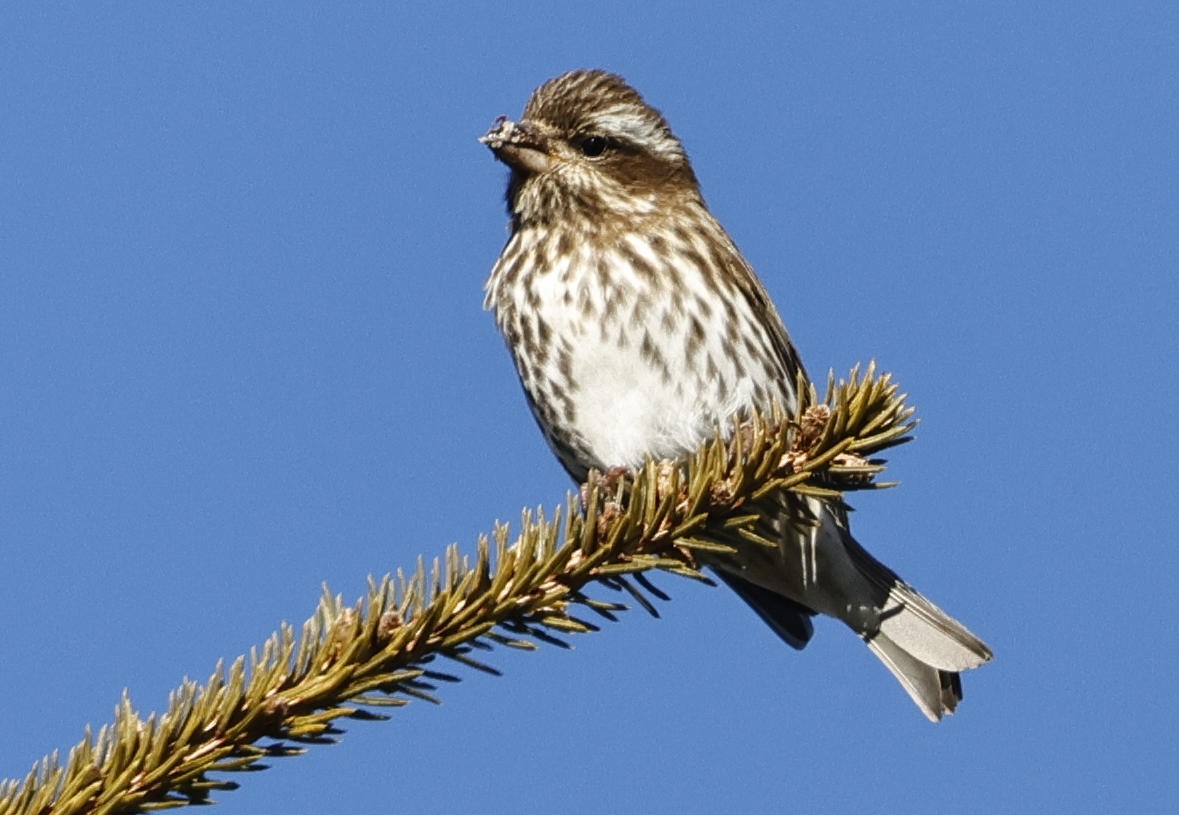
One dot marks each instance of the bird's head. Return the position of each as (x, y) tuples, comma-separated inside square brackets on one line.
[(589, 146)]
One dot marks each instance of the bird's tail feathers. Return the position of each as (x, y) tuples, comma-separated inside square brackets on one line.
[(935, 691), (910, 622)]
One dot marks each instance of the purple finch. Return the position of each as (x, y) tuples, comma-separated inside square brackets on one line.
[(638, 329)]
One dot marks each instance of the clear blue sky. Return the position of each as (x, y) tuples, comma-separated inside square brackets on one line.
[(242, 352)]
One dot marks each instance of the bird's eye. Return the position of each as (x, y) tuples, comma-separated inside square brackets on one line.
[(593, 146)]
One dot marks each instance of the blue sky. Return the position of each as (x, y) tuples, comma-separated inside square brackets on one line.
[(242, 352)]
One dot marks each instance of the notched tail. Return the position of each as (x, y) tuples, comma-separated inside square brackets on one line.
[(935, 691), (920, 644)]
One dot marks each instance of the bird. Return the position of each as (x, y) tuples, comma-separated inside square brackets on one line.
[(638, 329)]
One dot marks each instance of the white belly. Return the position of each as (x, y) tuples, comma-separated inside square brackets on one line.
[(627, 411)]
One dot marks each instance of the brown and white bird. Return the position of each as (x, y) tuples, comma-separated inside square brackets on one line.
[(638, 329)]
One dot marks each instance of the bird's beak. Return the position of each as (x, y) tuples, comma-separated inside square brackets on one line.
[(521, 145)]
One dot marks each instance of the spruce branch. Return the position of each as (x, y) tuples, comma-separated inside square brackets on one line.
[(389, 647)]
